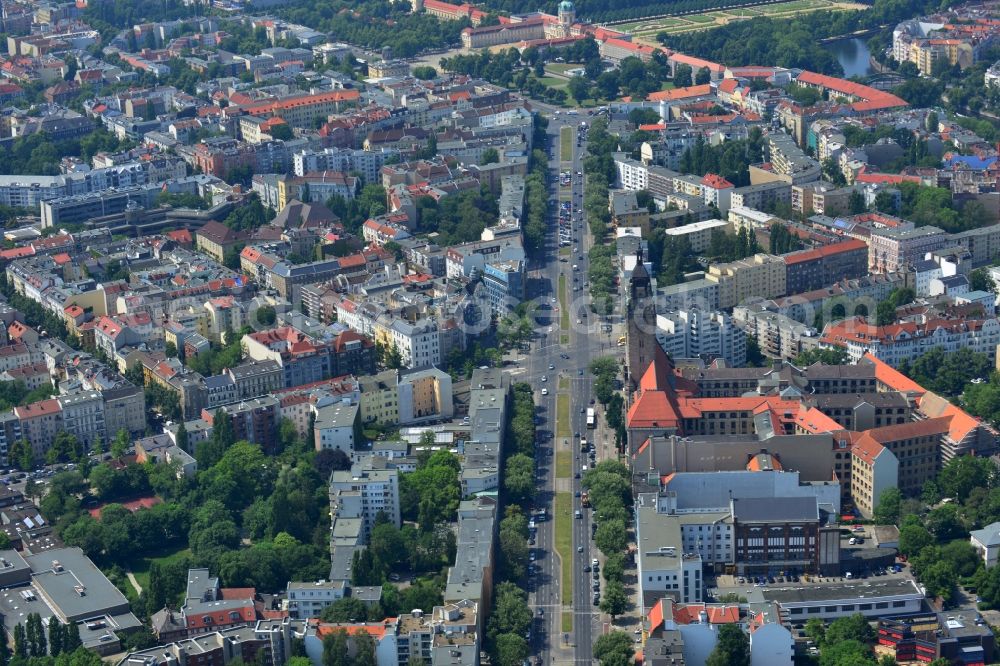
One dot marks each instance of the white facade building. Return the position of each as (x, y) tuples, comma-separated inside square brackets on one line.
[(692, 333)]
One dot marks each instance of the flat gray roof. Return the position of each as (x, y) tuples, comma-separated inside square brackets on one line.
[(775, 509), (97, 597), (848, 592)]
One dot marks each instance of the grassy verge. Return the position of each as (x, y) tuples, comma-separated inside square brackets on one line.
[(564, 339), (563, 306), (567, 622), (564, 383), (564, 251), (564, 544), (562, 415), (564, 464), (566, 144)]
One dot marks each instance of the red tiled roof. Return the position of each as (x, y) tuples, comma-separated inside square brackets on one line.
[(729, 86), (867, 449), (716, 182), (37, 409), (179, 235), (656, 616), (690, 613)]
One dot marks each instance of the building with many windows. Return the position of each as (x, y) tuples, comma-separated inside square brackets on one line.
[(369, 488)]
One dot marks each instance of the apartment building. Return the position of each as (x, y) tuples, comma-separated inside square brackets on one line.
[(699, 234), (664, 569), (762, 276), (907, 340), (822, 198), (762, 196), (303, 110), (777, 336), (255, 420), (773, 534), (124, 409), (916, 446), (750, 219), (337, 425), (40, 422), (891, 250), (874, 469), (693, 333), (857, 411), (83, 416), (815, 269), (418, 342), (391, 397), (369, 488), (216, 239), (307, 600), (789, 163), (304, 359)]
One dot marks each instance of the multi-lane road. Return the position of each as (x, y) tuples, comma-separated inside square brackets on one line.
[(563, 355)]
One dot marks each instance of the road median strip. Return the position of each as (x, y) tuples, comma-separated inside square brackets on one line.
[(564, 546)]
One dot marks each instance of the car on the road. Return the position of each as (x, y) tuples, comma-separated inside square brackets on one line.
[(545, 391), (576, 494), (579, 549), (578, 514), (587, 568), (597, 599), (545, 378), (576, 476)]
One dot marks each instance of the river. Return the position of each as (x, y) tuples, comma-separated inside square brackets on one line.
[(853, 55)]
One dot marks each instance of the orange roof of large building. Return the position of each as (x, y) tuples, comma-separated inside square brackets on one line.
[(680, 93), (697, 63), (962, 423), (872, 99), (631, 46), (892, 378), (820, 253), (279, 105)]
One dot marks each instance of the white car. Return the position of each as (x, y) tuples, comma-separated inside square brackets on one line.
[(545, 391)]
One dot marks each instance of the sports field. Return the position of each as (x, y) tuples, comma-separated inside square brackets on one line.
[(647, 30)]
